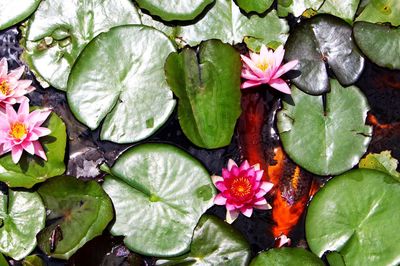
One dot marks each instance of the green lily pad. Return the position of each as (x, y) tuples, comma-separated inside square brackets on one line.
[(381, 11), (287, 257), (383, 162), (22, 216), (322, 40), (297, 7), (234, 27), (15, 11), (60, 30), (356, 214), (31, 169), (214, 243), (129, 93), (174, 9), (325, 140), (33, 260), (3, 261), (81, 211), (207, 84), (159, 193), (345, 9), (258, 6), (380, 43)]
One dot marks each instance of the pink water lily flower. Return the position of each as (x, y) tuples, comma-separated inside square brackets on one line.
[(12, 88), (241, 190), (266, 68), (21, 131)]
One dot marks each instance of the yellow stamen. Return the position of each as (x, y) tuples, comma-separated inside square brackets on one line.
[(18, 130), (5, 88), (241, 187), (263, 66)]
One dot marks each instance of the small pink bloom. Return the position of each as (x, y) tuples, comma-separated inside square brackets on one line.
[(282, 241), (21, 131), (266, 68), (12, 89), (241, 190)]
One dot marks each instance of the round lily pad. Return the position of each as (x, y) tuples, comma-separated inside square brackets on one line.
[(14, 11), (214, 243), (174, 9), (286, 256), (128, 92), (325, 137), (297, 7), (80, 212), (258, 6), (357, 215), (381, 11), (321, 41), (345, 9), (32, 169), (159, 193), (60, 30), (22, 216), (380, 43)]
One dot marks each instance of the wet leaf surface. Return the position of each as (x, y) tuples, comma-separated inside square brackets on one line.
[(12, 12), (356, 215), (159, 193), (207, 84), (297, 7), (258, 6), (345, 9), (383, 162), (381, 11), (287, 257)]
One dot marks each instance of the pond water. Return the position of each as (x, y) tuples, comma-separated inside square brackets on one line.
[(86, 153)]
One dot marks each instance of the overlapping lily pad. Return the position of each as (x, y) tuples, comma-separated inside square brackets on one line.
[(128, 92), (381, 11), (31, 169), (345, 9), (321, 41), (383, 162), (22, 216), (297, 7), (175, 9), (80, 212), (380, 43), (325, 138), (208, 87), (357, 215), (214, 243), (60, 30), (286, 256), (14, 11), (159, 193), (258, 6)]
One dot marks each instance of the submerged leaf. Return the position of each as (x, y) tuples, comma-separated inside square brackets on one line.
[(159, 193), (208, 87)]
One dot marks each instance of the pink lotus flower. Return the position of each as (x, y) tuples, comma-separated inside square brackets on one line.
[(265, 68), (12, 89), (282, 241), (241, 190), (21, 131)]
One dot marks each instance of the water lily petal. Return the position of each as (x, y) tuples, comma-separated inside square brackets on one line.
[(280, 85), (247, 211), (16, 153), (267, 186), (250, 83), (285, 68), (28, 146), (231, 163), (231, 216), (263, 207), (278, 56), (3, 67), (216, 178), (39, 150), (220, 199), (16, 73)]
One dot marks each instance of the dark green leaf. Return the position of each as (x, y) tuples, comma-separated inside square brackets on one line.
[(14, 11), (259, 6), (81, 211), (345, 9), (325, 141), (381, 11), (60, 30), (3, 261), (383, 162), (287, 257), (31, 169), (208, 87), (159, 193), (297, 7), (214, 243), (380, 43), (323, 40), (33, 260), (357, 214), (22, 216), (128, 92), (335, 259), (174, 9)]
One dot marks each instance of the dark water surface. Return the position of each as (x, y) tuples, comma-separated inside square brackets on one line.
[(86, 152)]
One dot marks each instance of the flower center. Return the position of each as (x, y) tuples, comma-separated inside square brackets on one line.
[(263, 66), (240, 187), (18, 130), (5, 88)]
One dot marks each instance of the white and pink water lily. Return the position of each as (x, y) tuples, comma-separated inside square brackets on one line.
[(12, 88), (21, 131), (266, 68), (241, 190)]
